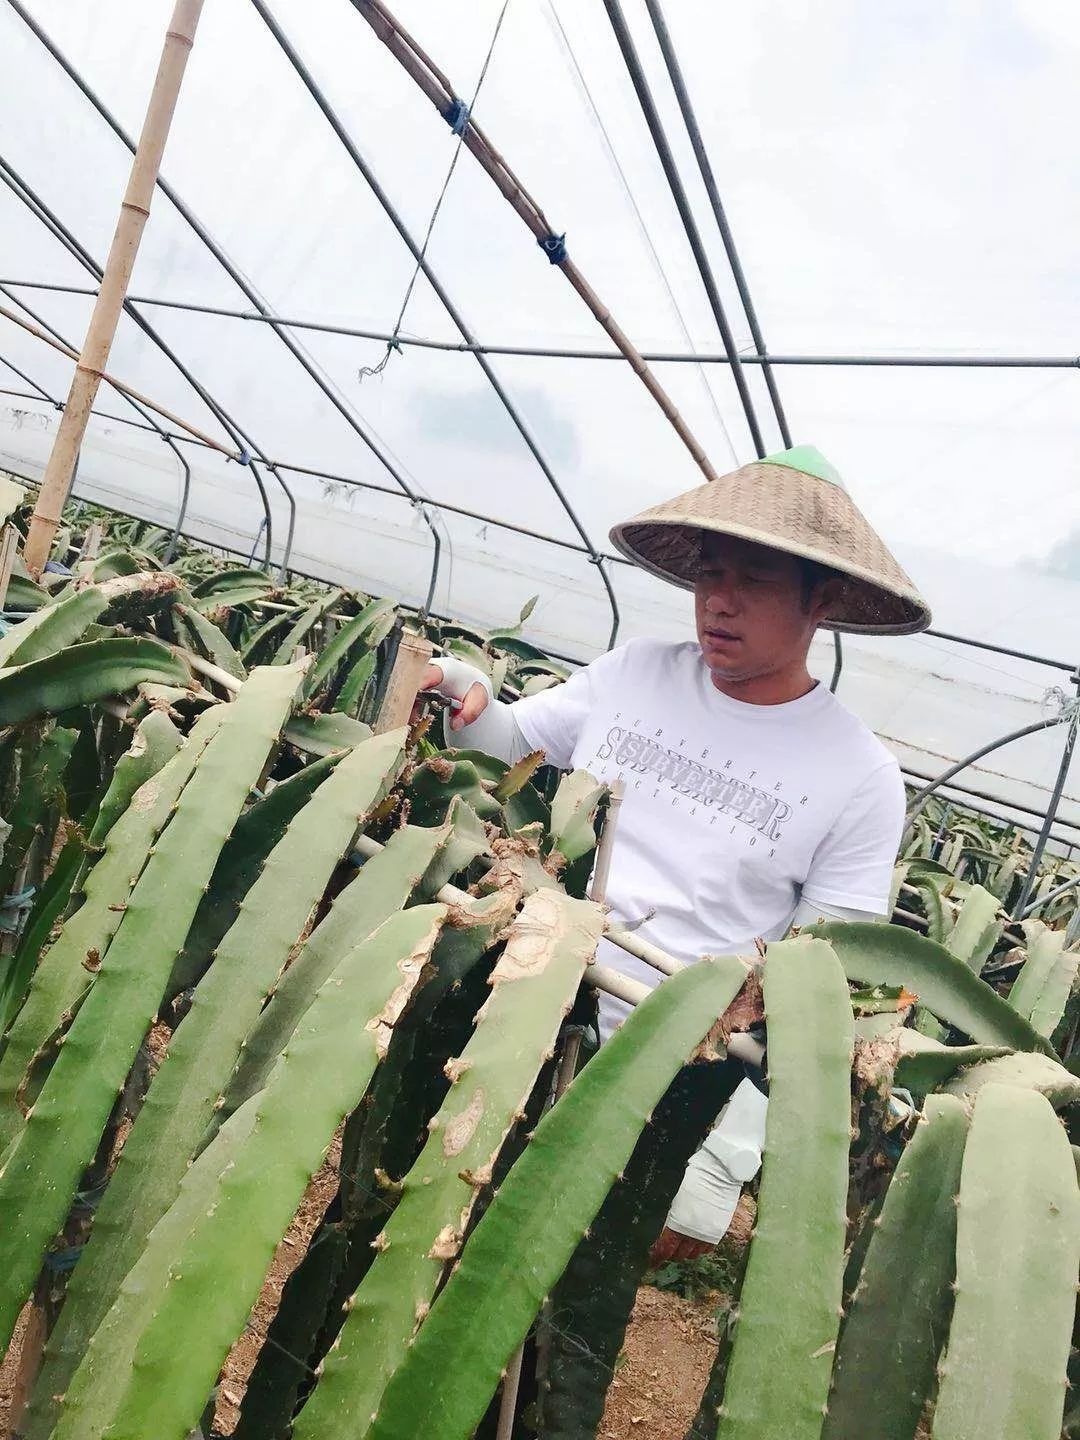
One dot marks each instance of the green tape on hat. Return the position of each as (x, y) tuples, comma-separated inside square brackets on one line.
[(809, 460)]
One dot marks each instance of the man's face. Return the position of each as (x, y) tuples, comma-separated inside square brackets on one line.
[(753, 612)]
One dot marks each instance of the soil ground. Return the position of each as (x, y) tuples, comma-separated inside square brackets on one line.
[(667, 1355)]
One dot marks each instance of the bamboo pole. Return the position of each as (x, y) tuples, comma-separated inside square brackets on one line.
[(438, 89), (410, 662), (134, 212)]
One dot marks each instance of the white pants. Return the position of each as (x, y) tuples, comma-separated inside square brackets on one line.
[(730, 1156)]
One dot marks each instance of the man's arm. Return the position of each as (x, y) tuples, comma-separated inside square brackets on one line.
[(478, 721), (550, 721)]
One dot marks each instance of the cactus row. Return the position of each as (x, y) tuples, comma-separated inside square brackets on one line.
[(218, 1266), (203, 1050), (40, 1173)]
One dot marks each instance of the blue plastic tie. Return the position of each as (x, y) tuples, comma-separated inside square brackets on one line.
[(244, 458), (554, 247), (457, 117)]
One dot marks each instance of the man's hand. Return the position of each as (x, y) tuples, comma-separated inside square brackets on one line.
[(472, 700), (673, 1246)]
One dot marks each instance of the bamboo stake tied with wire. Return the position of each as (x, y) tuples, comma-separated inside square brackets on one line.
[(134, 212)]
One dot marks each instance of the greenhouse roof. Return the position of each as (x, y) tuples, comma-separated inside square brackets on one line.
[(900, 181)]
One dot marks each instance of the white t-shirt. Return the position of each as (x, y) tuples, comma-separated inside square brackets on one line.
[(732, 812)]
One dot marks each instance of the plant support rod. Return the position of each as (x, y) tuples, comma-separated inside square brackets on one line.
[(438, 90), (134, 212)]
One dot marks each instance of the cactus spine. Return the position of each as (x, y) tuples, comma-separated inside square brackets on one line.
[(804, 1174), (41, 1172), (1017, 1254)]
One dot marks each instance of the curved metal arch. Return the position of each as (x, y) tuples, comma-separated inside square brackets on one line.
[(153, 425), (240, 280), (56, 227), (353, 152)]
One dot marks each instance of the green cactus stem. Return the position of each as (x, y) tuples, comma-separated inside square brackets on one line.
[(804, 1173), (594, 1298), (1028, 1072), (977, 929), (69, 968), (156, 741), (217, 1269), (1043, 987), (1017, 1254), (299, 631), (41, 1172), (62, 624), (382, 887), (890, 955), (533, 985), (924, 1063), (524, 1241), (85, 673), (888, 1350), (204, 638), (203, 1051), (356, 640), (239, 866), (109, 1353)]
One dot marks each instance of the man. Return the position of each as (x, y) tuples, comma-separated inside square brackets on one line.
[(753, 799)]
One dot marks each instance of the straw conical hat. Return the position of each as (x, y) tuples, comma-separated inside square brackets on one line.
[(793, 501)]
